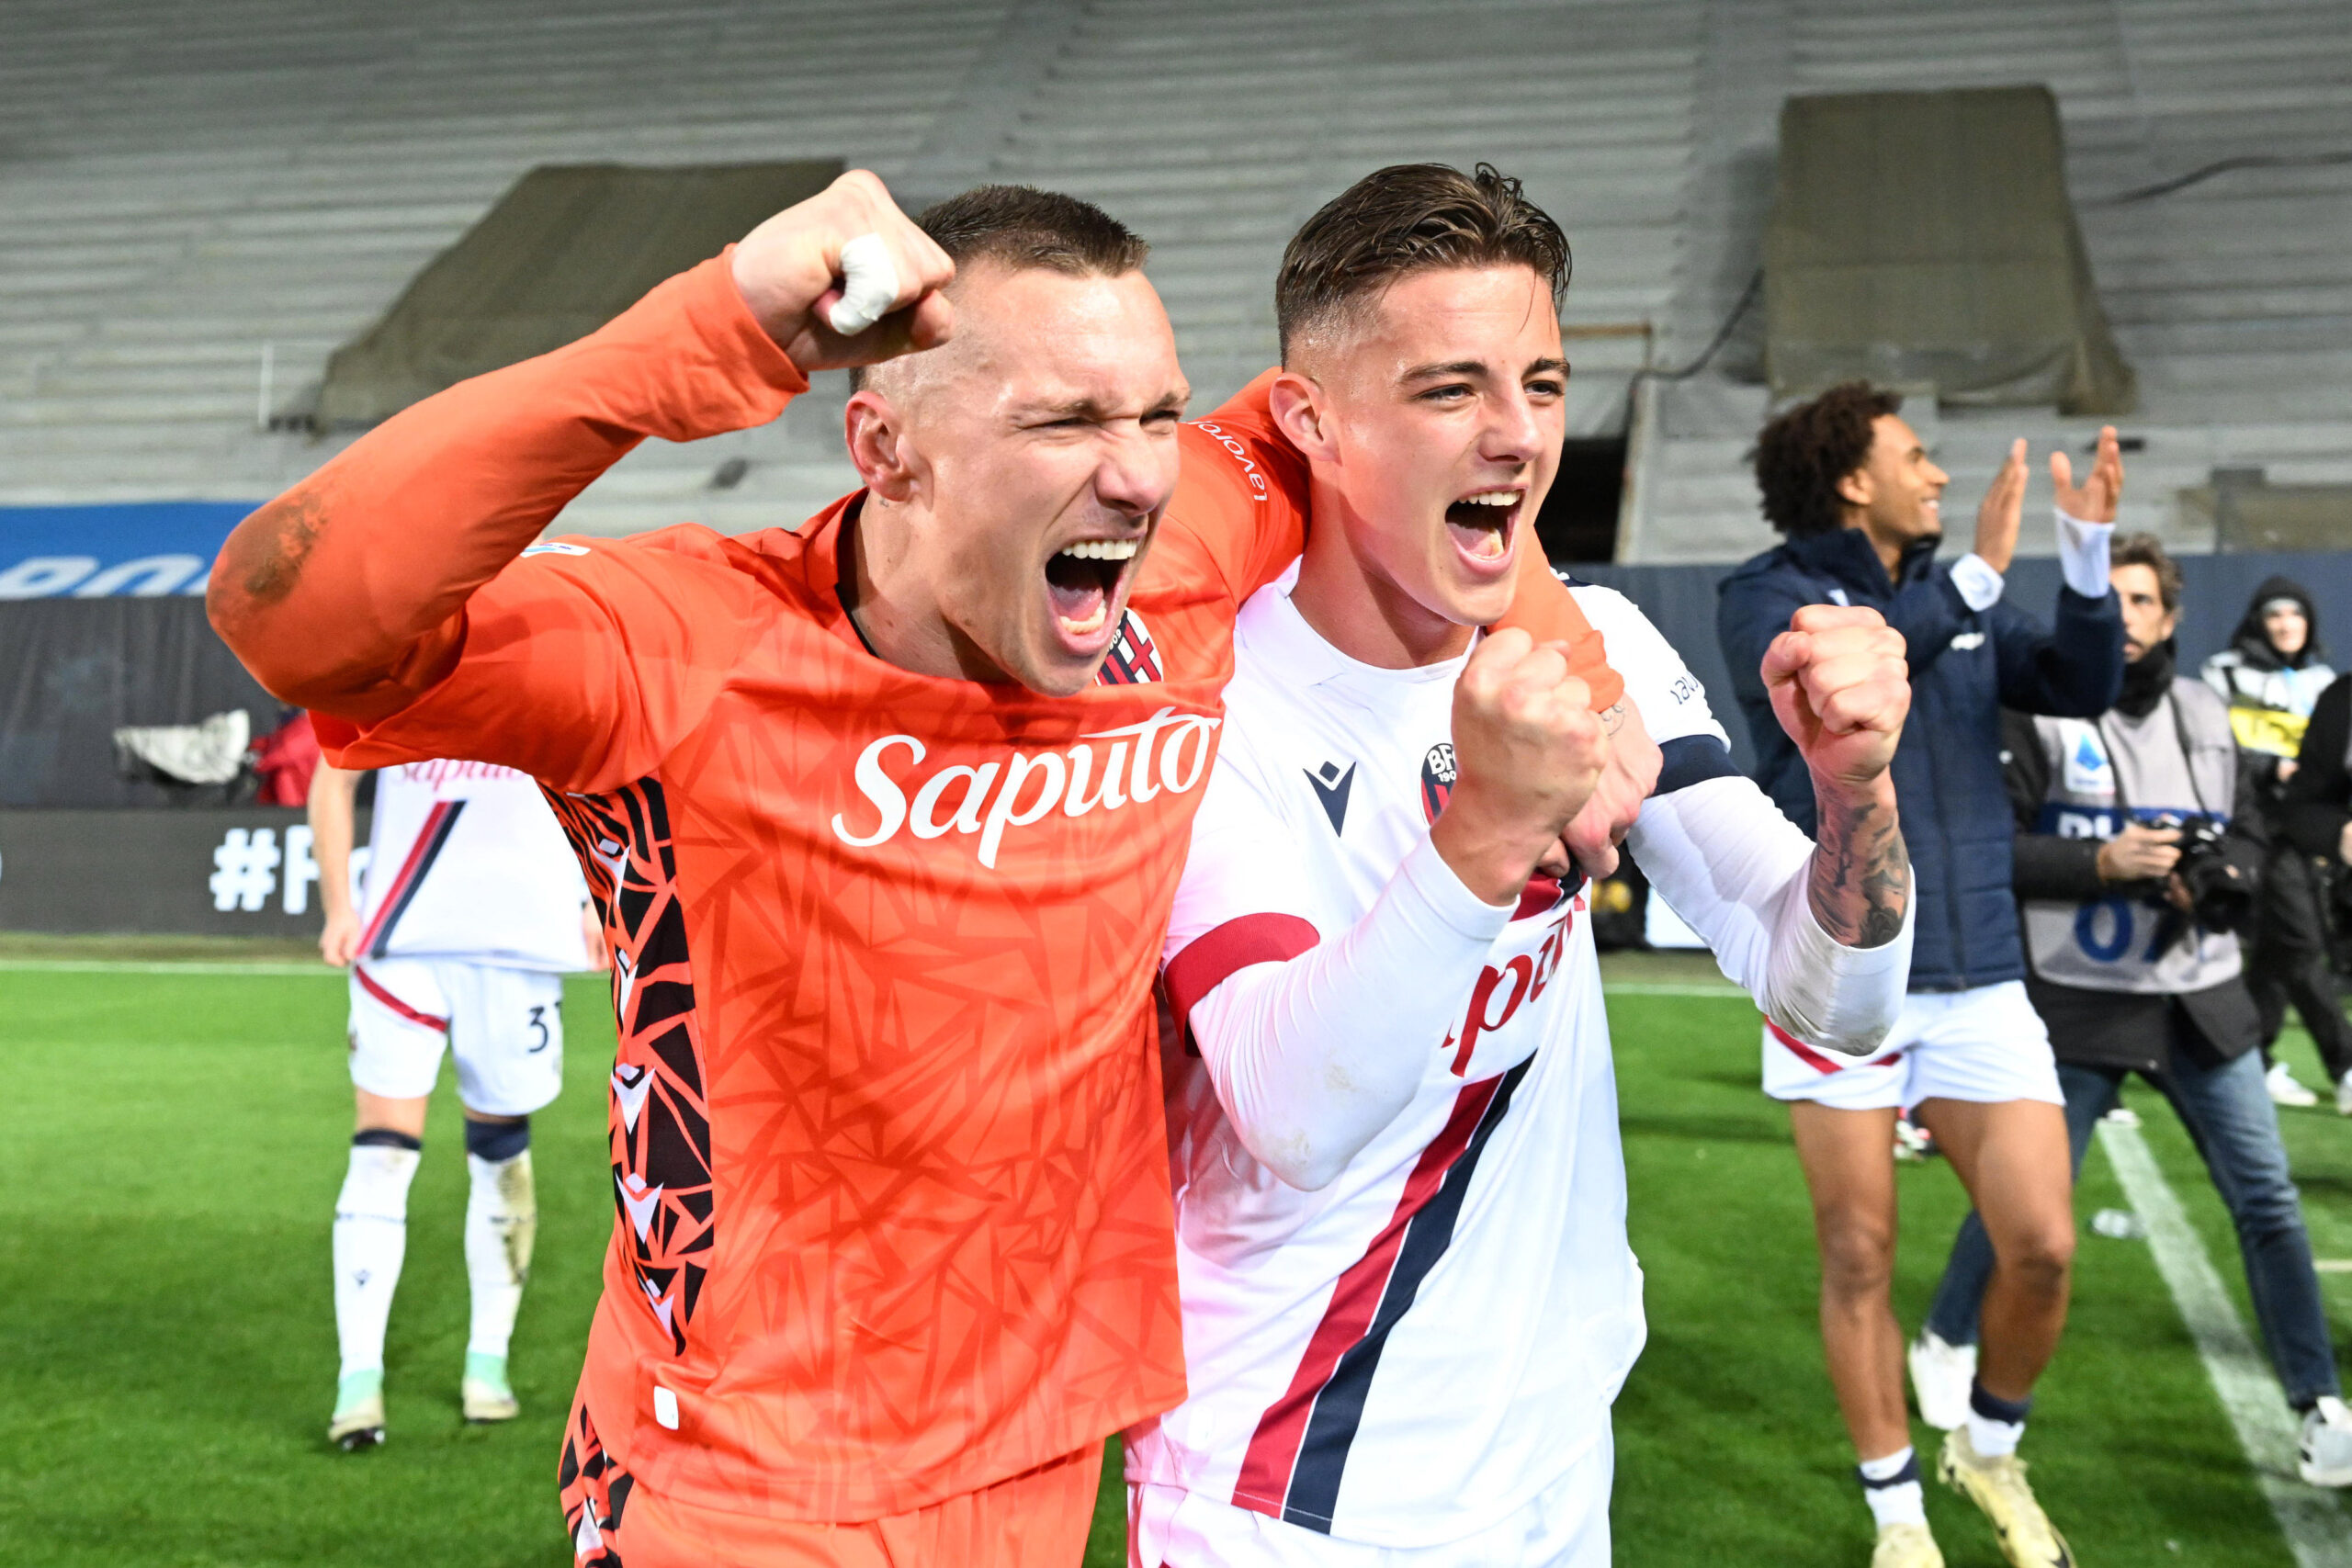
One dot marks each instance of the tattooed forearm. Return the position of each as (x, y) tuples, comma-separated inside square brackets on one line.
[(1861, 872), (1612, 717)]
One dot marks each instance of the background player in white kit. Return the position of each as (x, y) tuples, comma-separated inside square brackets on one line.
[(472, 909), (1408, 1300)]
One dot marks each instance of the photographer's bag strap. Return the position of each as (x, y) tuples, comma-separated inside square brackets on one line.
[(2188, 758)]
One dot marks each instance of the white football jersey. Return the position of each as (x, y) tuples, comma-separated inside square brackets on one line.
[(1412, 1352), (466, 861)]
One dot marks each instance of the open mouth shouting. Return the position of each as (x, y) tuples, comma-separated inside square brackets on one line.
[(1086, 583), (1484, 524)]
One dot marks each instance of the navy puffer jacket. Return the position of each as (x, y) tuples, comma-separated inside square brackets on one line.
[(1966, 666)]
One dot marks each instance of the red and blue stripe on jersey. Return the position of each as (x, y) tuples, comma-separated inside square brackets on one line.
[(1299, 1452), (430, 838)]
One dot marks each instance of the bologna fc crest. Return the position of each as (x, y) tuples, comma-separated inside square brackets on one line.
[(1437, 778), (1133, 658), (1543, 893)]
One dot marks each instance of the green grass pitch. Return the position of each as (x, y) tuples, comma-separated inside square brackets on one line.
[(174, 1142)]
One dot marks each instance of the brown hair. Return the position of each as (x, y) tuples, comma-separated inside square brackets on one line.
[(1803, 452), (1409, 218), (2146, 549), (1021, 227)]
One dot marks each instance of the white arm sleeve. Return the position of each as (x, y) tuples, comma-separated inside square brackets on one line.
[(1730, 864), (1717, 850), (1980, 586), (1313, 1056), (2083, 555)]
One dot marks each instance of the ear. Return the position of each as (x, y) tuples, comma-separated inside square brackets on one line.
[(876, 432), (1302, 413), (1856, 489)]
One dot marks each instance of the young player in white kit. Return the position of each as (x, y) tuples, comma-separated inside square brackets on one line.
[(470, 912), (1408, 1299)]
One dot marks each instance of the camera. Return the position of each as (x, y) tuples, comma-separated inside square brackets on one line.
[(2218, 896)]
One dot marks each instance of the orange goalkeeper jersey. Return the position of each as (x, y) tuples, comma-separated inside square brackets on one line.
[(890, 1179)]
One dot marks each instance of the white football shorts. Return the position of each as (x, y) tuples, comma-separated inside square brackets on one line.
[(1985, 1044), (1564, 1526), (505, 1027)]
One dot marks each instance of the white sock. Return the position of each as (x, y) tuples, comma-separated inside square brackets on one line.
[(1891, 1486), (371, 1239), (1993, 1438), (501, 1223)]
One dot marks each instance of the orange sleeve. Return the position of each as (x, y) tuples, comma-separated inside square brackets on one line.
[(1546, 610), (1243, 503), (1240, 513), (349, 593), (584, 664)]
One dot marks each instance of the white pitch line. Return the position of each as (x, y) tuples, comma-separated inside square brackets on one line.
[(2309, 1516)]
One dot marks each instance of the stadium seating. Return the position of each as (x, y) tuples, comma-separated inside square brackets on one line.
[(187, 187), (2232, 299)]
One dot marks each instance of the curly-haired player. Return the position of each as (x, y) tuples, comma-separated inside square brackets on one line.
[(1853, 488)]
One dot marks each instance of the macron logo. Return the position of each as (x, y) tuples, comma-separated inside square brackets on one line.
[(1331, 788)]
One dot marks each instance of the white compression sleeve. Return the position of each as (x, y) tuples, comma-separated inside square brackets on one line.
[(1731, 865), (1312, 1057), (1980, 586), (2083, 555)]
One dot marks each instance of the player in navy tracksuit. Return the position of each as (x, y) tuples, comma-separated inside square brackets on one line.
[(1850, 484)]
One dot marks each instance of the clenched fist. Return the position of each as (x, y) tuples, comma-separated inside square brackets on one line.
[(791, 272), (1840, 688), (1590, 844), (1528, 750)]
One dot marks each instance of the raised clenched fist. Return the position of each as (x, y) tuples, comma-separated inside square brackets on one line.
[(1529, 752), (791, 272), (1841, 689), (1590, 845)]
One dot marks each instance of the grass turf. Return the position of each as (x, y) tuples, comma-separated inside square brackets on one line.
[(175, 1142)]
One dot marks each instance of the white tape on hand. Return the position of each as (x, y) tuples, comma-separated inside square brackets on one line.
[(869, 286)]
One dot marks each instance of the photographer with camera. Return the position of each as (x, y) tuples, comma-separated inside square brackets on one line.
[(2135, 879), (2271, 675)]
